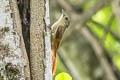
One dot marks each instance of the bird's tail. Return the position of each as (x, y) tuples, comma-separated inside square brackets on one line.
[(53, 62)]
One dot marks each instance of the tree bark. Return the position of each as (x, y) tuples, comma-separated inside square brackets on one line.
[(47, 36), (13, 58), (14, 63), (40, 53)]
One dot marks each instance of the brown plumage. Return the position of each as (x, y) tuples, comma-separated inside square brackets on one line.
[(58, 30), (55, 46)]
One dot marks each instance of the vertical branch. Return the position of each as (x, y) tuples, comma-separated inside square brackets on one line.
[(38, 49), (18, 28), (48, 54)]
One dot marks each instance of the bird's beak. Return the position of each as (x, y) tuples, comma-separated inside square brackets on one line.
[(63, 11)]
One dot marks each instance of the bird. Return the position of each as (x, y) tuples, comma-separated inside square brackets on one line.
[(57, 31)]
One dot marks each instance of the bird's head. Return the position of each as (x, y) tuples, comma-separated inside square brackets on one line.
[(65, 18)]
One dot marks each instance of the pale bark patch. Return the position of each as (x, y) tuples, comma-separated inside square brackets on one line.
[(11, 61)]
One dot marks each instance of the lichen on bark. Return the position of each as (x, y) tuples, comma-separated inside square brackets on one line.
[(11, 60)]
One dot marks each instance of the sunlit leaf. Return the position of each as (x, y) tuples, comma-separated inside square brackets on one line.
[(114, 26), (116, 60), (103, 15), (95, 29), (63, 76)]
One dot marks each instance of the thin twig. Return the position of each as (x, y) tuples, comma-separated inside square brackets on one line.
[(99, 53), (81, 19), (79, 5), (108, 29), (69, 65)]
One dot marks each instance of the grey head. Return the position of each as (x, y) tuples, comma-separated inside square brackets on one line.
[(66, 18)]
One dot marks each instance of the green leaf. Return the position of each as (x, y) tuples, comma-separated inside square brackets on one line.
[(116, 60), (95, 29), (103, 15), (63, 76)]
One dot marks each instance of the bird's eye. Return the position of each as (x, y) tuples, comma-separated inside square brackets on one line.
[(66, 18)]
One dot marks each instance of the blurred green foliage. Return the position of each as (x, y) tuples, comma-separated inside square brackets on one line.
[(88, 4), (109, 42), (103, 15)]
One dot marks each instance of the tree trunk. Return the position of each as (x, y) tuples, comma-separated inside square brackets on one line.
[(40, 49), (13, 58), (37, 47), (14, 62)]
